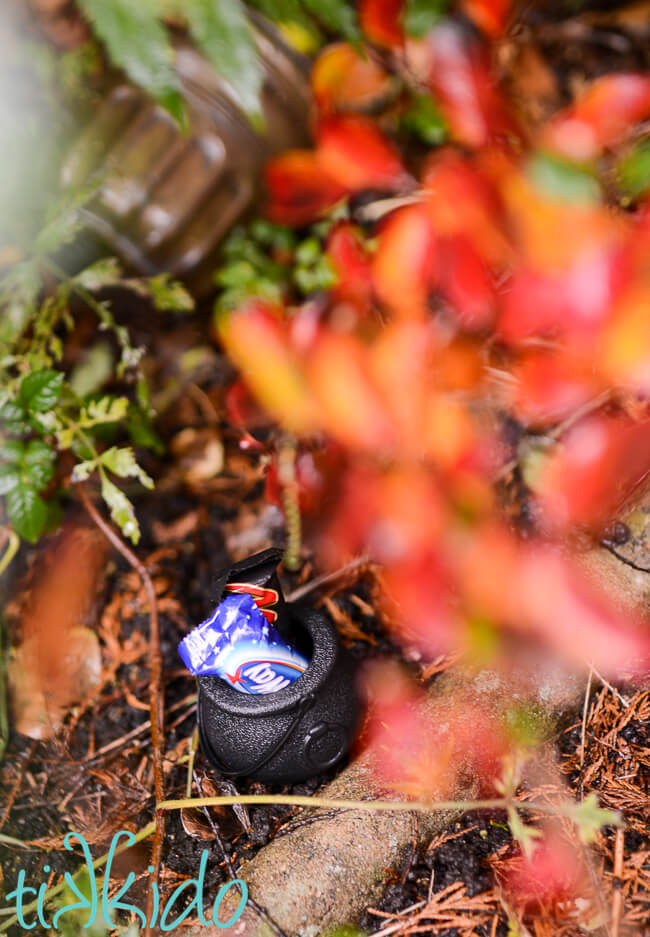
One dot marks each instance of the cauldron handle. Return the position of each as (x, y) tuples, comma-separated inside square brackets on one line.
[(304, 704)]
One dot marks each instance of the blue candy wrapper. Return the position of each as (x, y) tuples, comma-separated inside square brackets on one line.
[(238, 644)]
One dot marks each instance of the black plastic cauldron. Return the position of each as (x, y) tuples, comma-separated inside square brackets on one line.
[(294, 733)]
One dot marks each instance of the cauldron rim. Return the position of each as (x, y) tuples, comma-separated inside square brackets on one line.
[(323, 659)]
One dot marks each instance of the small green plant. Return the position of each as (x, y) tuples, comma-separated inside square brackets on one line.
[(45, 409), (268, 261)]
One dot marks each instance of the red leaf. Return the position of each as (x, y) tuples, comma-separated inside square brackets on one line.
[(576, 301), (406, 263), (553, 873), (489, 15), (551, 386), (244, 413), (381, 21), (355, 153), (350, 261), (460, 76), (601, 462), (604, 113), (300, 188), (466, 282), (461, 200)]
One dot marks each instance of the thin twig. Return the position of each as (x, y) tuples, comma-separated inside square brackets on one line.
[(617, 900), (155, 690), (583, 730), (139, 730), (611, 688), (594, 404), (558, 431), (326, 579)]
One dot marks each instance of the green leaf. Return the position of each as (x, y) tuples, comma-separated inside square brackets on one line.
[(90, 374), (12, 451), (9, 478), (421, 16), (634, 170), (308, 252), (236, 274), (40, 390), (279, 10), (38, 463), (141, 430), (223, 31), (83, 470), (11, 412), (19, 291), (424, 119), (122, 462), (339, 16), (169, 295), (121, 510), (27, 512), (106, 410), (137, 42), (562, 179), (106, 272), (590, 818)]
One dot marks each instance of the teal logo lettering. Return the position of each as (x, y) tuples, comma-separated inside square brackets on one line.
[(30, 902)]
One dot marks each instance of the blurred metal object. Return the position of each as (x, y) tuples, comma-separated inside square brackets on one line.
[(168, 198)]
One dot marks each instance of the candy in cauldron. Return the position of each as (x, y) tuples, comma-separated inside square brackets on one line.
[(294, 732)]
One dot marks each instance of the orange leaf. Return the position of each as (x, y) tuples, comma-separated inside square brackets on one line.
[(355, 153), (343, 79), (489, 15), (625, 356), (402, 366), (300, 188), (257, 341), (405, 267), (350, 406)]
